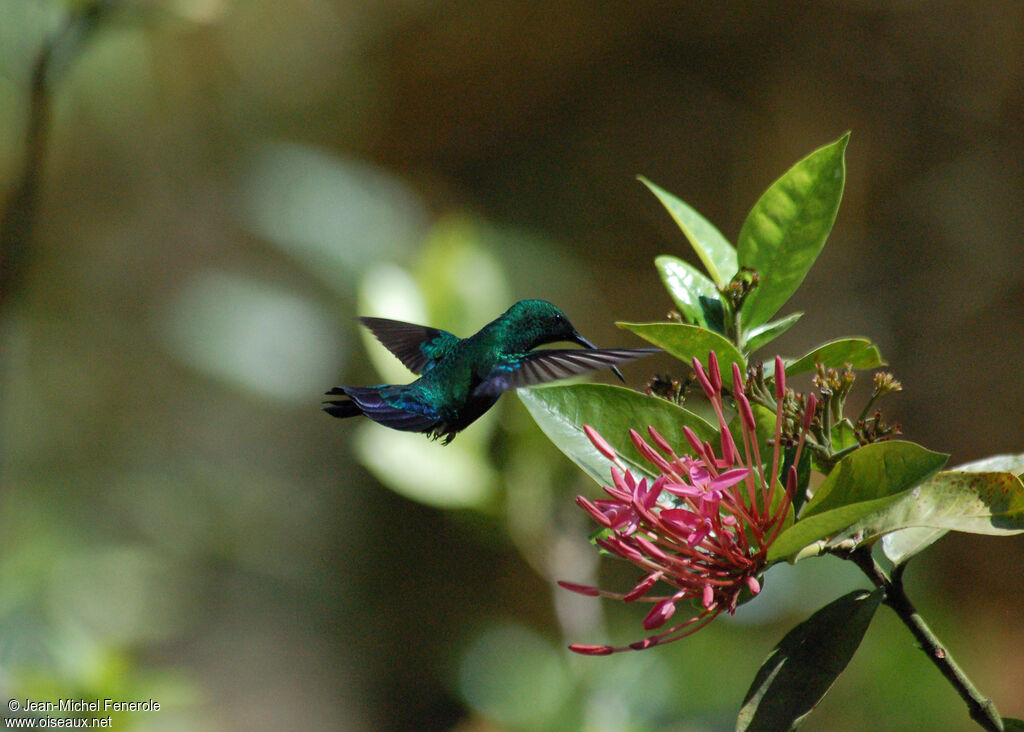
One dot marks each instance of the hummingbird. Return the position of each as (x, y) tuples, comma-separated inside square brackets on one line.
[(461, 378)]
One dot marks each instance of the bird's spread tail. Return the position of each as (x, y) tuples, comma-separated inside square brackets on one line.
[(394, 412), (341, 408)]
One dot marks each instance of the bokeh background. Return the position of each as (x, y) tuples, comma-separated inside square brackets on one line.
[(223, 186)]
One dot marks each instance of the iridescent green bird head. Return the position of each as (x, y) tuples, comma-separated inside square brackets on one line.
[(542, 322)]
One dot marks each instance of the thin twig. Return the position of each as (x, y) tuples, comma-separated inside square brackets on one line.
[(981, 708)]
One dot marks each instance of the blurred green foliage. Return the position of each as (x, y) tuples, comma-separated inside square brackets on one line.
[(223, 183)]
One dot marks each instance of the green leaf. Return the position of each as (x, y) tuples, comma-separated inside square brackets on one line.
[(787, 228), (862, 483), (860, 353), (844, 436), (975, 503), (875, 471), (995, 464), (971, 502), (714, 314), (806, 662), (808, 536), (1013, 725), (686, 285), (688, 341), (764, 334), (899, 546), (714, 250), (562, 410)]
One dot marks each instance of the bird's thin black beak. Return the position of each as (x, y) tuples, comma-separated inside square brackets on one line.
[(577, 338)]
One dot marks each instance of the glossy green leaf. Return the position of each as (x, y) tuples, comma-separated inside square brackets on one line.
[(860, 353), (809, 536), (562, 410), (806, 662), (897, 547), (861, 484), (875, 471), (688, 341), (764, 334), (975, 503), (971, 502), (714, 314), (714, 250), (686, 285), (787, 228)]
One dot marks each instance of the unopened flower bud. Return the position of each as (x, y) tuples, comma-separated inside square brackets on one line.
[(780, 379), (714, 374), (702, 379)]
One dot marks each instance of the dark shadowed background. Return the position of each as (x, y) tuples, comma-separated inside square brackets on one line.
[(224, 186)]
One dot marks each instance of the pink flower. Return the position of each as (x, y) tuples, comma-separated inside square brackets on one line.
[(703, 526)]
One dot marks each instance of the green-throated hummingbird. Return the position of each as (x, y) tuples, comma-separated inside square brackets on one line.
[(461, 378)]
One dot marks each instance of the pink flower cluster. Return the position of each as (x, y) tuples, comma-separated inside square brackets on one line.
[(704, 525)]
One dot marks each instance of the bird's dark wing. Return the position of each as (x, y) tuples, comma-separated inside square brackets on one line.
[(417, 346), (538, 367)]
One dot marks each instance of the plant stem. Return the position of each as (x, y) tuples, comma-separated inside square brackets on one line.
[(981, 708), (18, 217)]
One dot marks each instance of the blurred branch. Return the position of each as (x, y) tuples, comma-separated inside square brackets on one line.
[(17, 223)]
